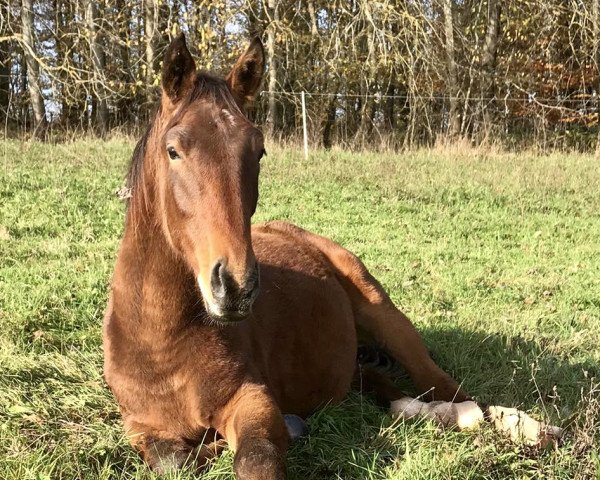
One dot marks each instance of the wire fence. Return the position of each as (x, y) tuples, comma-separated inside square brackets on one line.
[(530, 96), (513, 118)]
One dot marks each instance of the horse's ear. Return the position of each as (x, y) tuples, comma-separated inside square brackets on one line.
[(178, 70), (247, 73)]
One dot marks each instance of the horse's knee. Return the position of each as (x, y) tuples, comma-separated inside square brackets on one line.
[(259, 459)]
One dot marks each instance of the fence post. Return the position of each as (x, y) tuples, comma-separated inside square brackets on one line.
[(304, 127)]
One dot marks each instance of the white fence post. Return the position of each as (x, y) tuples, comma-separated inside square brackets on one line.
[(304, 127)]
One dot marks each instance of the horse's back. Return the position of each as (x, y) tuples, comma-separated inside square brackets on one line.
[(303, 327)]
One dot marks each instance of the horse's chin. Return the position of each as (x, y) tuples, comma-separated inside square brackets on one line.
[(227, 318)]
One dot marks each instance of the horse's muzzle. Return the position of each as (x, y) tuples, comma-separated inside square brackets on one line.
[(232, 300)]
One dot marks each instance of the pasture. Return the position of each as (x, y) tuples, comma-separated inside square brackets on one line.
[(495, 257)]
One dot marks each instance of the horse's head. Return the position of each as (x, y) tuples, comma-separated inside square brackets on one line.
[(207, 169)]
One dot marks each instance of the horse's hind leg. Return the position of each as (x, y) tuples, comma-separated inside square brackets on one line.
[(467, 415), (378, 319)]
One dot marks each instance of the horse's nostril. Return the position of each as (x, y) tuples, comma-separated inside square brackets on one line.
[(217, 280)]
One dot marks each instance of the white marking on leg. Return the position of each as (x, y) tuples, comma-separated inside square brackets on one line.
[(468, 415), (522, 428), (464, 415)]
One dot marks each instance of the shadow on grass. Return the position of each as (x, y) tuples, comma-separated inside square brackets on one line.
[(357, 440), (510, 370)]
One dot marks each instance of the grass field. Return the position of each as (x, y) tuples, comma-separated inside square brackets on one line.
[(495, 257)]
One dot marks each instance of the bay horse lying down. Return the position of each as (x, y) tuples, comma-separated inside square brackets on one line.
[(194, 355)]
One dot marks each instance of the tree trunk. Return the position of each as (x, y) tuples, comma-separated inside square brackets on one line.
[(313, 20), (98, 65), (272, 116), (329, 118), (79, 109), (4, 66), (488, 64), (365, 126), (390, 119), (150, 12), (4, 82), (33, 69), (124, 114), (596, 58), (453, 114), (60, 23), (71, 108)]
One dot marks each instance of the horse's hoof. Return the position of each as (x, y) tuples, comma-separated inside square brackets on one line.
[(296, 427)]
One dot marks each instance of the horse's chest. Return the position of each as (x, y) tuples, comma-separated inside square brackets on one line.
[(177, 384)]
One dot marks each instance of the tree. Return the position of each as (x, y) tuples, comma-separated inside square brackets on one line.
[(397, 72), (33, 71), (100, 109), (596, 59), (488, 63), (150, 20), (453, 88), (272, 62), (4, 65)]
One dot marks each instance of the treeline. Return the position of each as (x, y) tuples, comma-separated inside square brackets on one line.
[(396, 73)]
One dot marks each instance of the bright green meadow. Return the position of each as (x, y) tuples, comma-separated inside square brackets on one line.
[(495, 257)]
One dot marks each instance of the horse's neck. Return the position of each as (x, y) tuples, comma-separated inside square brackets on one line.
[(152, 286)]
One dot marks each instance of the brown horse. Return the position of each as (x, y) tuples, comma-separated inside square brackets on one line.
[(192, 350)]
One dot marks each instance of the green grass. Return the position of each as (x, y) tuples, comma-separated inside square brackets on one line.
[(495, 257)]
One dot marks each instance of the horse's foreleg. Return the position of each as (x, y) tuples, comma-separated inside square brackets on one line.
[(255, 428)]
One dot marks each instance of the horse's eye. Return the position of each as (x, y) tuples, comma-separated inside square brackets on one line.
[(173, 155)]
